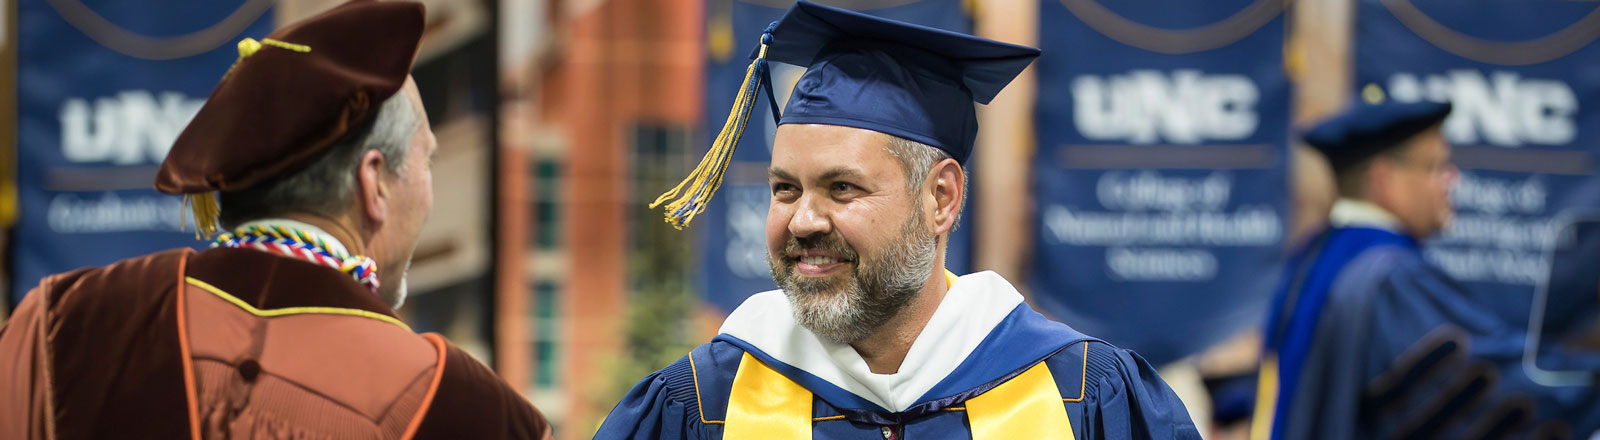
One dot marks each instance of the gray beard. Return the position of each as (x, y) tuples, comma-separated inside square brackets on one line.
[(397, 297), (400, 293), (846, 311)]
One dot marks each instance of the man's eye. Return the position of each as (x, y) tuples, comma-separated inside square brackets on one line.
[(781, 187), (841, 186)]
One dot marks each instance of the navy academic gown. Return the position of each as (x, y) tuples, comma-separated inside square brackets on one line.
[(1372, 341), (1118, 395)]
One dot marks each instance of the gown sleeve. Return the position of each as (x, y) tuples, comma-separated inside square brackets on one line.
[(21, 394), (656, 408), (1130, 401), (473, 402), (1327, 399)]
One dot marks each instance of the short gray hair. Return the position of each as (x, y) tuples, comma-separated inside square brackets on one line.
[(327, 186), (916, 159)]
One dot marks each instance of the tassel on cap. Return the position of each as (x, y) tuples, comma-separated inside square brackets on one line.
[(206, 211), (204, 204), (695, 191)]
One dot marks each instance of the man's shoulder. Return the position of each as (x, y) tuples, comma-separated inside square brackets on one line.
[(1079, 369), (1070, 368), (1117, 383), (471, 401), (1375, 267), (702, 379), (120, 285), (711, 358), (156, 268)]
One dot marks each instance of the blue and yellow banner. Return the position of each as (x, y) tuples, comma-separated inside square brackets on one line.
[(1160, 179), (104, 88), (1524, 81), (731, 234)]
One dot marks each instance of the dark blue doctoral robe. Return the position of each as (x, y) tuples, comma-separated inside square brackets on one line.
[(1372, 341), (1109, 393)]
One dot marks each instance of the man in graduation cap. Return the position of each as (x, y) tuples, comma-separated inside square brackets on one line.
[(869, 336), (317, 142), (1366, 338)]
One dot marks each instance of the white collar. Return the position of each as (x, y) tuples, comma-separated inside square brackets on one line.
[(334, 246), (972, 307), (1361, 213)]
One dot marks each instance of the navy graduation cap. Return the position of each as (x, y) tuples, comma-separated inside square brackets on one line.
[(1372, 126), (900, 79)]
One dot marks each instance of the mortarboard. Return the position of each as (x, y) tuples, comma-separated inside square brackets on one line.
[(900, 79), (1372, 126), (289, 98)]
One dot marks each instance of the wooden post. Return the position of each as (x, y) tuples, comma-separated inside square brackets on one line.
[(1005, 145), (1318, 57)]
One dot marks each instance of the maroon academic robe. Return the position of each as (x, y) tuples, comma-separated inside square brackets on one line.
[(237, 343)]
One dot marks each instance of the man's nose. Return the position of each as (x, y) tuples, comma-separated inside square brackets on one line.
[(809, 218), (1450, 174)]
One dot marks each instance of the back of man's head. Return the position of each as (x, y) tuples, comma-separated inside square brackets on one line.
[(1411, 181), (1391, 154), (327, 186)]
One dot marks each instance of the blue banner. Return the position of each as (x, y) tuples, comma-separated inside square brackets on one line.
[(1524, 79), (1160, 177), (104, 88), (731, 234)]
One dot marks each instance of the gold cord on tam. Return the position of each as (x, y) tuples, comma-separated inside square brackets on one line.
[(250, 46), (695, 191)]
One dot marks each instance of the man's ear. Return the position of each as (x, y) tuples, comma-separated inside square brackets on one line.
[(372, 190), (945, 185), (1379, 173)]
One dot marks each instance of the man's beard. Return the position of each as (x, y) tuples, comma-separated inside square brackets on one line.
[(397, 296), (848, 310), (400, 293)]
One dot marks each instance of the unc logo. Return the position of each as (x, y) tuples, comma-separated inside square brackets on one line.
[(1150, 106), (133, 127), (1502, 109)]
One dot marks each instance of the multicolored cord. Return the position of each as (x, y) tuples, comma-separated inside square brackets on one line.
[(295, 243)]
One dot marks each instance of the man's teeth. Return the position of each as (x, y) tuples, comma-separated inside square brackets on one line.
[(818, 260)]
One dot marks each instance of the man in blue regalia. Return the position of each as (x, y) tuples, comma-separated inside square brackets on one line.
[(1366, 339), (869, 336)]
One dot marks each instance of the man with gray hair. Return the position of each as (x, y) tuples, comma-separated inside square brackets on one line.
[(318, 150), (869, 336)]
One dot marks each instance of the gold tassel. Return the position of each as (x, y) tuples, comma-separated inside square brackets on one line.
[(1372, 94), (695, 191), (205, 214), (205, 204)]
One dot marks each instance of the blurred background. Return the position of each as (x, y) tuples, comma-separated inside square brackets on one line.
[(1140, 182)]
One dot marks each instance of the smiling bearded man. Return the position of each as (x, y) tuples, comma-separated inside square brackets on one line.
[(869, 336), (843, 310)]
